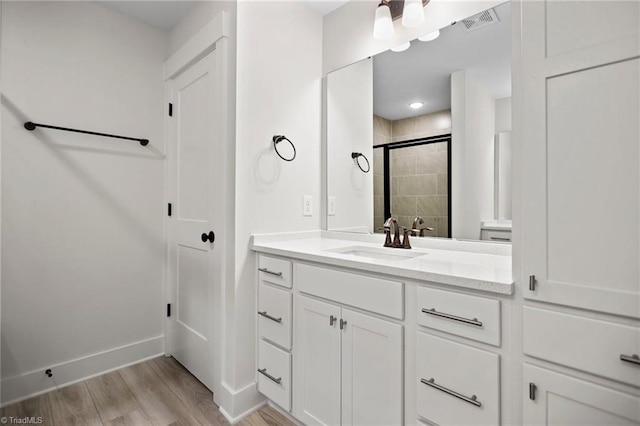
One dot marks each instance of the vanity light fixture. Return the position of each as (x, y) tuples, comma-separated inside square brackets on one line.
[(402, 47), (430, 36), (416, 105), (383, 25), (411, 12)]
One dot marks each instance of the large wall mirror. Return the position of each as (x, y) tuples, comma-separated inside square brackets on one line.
[(433, 123)]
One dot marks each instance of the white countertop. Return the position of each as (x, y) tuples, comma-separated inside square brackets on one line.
[(475, 265), (496, 225)]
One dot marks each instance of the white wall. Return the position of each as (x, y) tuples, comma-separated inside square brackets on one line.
[(503, 115), (472, 155), (82, 240), (279, 70), (350, 129), (200, 14), (503, 163)]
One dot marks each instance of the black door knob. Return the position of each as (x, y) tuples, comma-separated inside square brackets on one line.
[(211, 237)]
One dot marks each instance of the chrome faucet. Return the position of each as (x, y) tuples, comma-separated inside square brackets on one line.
[(396, 243), (414, 228)]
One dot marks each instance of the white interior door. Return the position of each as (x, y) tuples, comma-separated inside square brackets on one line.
[(195, 254)]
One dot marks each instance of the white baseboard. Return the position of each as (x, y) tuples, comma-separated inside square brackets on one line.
[(237, 404), (35, 382)]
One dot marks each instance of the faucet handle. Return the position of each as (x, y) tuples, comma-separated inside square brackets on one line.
[(387, 239), (405, 240)]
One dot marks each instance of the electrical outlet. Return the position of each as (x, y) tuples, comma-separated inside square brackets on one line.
[(331, 206), (307, 205)]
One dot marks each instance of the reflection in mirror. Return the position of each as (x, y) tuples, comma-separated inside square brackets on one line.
[(436, 111)]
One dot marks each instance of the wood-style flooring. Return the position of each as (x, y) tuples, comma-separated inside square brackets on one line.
[(156, 392)]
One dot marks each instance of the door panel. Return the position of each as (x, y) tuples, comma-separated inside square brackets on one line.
[(194, 271), (371, 371), (193, 150), (562, 400), (317, 360), (581, 141), (192, 289)]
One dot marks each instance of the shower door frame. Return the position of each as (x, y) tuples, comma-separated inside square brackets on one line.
[(388, 147)]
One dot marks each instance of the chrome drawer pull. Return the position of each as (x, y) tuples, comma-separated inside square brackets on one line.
[(269, 376), (266, 315), (473, 321), (473, 400), (633, 359), (277, 274), (500, 239)]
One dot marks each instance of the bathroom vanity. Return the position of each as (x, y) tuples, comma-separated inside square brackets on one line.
[(350, 332)]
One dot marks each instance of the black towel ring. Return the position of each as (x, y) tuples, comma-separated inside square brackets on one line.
[(356, 157), (279, 138)]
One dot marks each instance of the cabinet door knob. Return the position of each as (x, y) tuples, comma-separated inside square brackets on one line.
[(343, 324), (332, 320)]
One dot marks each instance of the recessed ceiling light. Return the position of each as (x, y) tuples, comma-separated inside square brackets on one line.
[(430, 36), (402, 47), (416, 105)]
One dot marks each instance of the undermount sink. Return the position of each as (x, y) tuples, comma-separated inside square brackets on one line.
[(377, 253)]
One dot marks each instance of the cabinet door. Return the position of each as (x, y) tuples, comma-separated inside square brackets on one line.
[(560, 400), (580, 151), (371, 370), (317, 361)]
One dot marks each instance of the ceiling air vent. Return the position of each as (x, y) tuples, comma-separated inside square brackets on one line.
[(480, 20)]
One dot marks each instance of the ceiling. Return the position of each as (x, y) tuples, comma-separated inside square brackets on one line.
[(166, 14), (423, 72), (160, 14)]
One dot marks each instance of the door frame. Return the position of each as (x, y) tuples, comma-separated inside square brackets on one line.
[(213, 36), (388, 147)]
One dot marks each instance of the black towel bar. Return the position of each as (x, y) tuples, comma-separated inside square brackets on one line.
[(31, 126)]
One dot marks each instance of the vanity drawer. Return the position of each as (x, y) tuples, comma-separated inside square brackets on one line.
[(586, 344), (473, 317), (275, 271), (373, 294), (274, 315), (495, 236), (454, 374), (274, 374)]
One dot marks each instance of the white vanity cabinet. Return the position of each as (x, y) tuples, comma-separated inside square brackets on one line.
[(581, 289), (345, 346), (275, 319), (457, 382), (348, 366)]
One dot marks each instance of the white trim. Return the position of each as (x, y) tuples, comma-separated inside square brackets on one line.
[(35, 382), (198, 46), (244, 402)]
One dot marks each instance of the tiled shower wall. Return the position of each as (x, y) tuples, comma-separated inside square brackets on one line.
[(419, 184)]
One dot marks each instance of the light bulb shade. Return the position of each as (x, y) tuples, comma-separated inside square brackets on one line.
[(430, 36), (413, 13), (383, 25), (402, 47)]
